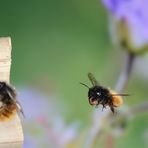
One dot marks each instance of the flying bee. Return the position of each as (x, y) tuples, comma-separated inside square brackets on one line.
[(9, 105), (98, 94)]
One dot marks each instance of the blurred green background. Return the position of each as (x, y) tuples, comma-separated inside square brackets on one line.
[(56, 43)]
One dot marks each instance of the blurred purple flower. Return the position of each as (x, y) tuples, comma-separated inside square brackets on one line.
[(44, 126), (99, 120), (33, 103), (135, 14), (30, 142)]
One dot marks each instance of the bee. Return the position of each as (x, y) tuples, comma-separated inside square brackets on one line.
[(9, 105), (98, 94)]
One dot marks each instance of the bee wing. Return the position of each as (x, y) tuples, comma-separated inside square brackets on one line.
[(92, 79), (20, 109), (120, 94)]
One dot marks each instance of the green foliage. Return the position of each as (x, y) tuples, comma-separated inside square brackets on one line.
[(63, 41)]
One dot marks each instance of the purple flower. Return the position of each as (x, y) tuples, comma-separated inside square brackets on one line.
[(44, 125), (135, 14), (33, 103)]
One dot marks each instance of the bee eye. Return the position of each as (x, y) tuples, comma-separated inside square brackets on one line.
[(98, 93)]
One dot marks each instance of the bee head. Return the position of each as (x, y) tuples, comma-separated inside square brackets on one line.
[(94, 95)]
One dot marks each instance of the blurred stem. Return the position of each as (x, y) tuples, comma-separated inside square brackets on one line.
[(131, 112), (125, 74), (121, 84), (143, 107)]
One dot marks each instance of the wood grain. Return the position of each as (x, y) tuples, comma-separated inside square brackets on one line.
[(11, 133)]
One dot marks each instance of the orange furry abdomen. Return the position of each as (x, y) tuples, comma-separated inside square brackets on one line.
[(117, 100), (7, 112)]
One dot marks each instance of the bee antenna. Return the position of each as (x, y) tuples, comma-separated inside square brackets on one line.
[(84, 84)]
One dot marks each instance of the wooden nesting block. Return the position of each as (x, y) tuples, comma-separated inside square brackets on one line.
[(11, 133)]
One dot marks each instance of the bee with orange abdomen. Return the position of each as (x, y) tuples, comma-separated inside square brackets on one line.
[(9, 106), (98, 94)]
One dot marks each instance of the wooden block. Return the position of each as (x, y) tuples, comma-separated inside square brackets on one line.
[(11, 133)]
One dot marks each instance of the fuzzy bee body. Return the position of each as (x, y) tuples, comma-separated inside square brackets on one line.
[(9, 106), (98, 94)]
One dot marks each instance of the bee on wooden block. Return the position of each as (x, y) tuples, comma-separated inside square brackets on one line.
[(9, 106), (98, 94)]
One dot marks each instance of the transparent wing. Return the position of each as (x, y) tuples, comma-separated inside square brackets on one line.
[(20, 109), (92, 79)]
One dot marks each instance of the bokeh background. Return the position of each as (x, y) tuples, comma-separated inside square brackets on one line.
[(55, 44)]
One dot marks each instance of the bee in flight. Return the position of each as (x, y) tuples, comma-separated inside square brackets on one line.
[(9, 105), (98, 94)]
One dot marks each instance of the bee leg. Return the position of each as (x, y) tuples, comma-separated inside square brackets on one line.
[(112, 109), (103, 106)]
